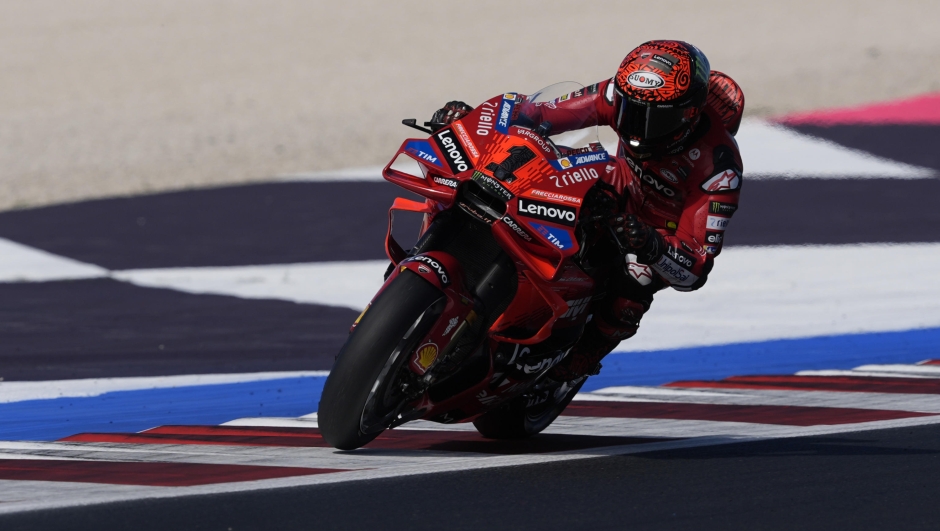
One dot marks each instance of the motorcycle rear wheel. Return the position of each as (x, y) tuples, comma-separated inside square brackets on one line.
[(363, 388), (518, 420)]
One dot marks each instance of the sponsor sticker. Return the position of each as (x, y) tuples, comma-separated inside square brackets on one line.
[(714, 238), (711, 249), (551, 212), (672, 225), (669, 176), (504, 117), (726, 181), (444, 181), (492, 185), (725, 209), (486, 118), (425, 356), (576, 307), (467, 141), (517, 228), (694, 153), (422, 149), (451, 323), (575, 176), (717, 223), (573, 161), (558, 238), (670, 62), (453, 152), (660, 187), (673, 272), (522, 131), (437, 267), (680, 257), (645, 80), (555, 196)]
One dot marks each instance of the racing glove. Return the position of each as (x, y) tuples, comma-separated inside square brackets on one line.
[(638, 238), (448, 114)]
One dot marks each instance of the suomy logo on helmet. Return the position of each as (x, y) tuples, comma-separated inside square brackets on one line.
[(645, 80)]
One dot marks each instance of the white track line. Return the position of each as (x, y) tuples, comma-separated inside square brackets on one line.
[(771, 150), (922, 403), (348, 284), (771, 293), (858, 373), (21, 263)]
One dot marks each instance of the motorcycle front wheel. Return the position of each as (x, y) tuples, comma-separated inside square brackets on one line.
[(364, 391)]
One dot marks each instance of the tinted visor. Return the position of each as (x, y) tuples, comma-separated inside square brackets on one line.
[(648, 121)]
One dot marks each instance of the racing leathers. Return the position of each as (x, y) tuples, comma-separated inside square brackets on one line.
[(687, 195)]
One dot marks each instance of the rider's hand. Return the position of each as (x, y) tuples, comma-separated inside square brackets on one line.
[(449, 113), (638, 237)]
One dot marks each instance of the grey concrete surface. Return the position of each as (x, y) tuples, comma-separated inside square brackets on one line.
[(115, 97)]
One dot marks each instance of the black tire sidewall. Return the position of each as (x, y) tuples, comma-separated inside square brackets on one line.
[(367, 350)]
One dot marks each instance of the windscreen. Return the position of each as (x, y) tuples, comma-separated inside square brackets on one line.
[(571, 118)]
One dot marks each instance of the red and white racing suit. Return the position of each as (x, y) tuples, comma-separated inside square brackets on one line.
[(688, 196)]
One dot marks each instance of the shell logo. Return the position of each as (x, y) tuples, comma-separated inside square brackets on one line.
[(565, 163), (427, 353)]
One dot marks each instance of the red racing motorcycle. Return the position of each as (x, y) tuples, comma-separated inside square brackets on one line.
[(498, 287)]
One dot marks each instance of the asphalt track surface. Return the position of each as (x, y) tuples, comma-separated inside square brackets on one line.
[(101, 327), (884, 479)]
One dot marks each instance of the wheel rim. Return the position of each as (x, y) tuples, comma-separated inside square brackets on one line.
[(386, 398)]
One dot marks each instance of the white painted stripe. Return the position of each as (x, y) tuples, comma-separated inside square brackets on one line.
[(921, 370), (20, 263), (922, 403), (349, 284), (771, 150), (754, 293), (19, 391), (861, 374), (764, 293), (272, 422)]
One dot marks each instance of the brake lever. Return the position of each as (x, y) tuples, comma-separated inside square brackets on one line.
[(613, 234), (412, 123)]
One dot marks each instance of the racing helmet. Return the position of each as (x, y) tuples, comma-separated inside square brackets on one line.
[(661, 87)]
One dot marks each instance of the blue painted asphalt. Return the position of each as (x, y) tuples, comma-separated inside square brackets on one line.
[(781, 356), (131, 411)]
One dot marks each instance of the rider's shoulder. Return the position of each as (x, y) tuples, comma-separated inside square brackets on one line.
[(713, 153)]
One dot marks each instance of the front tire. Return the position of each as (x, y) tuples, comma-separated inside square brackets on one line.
[(363, 384)]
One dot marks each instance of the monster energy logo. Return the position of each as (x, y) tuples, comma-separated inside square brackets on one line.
[(717, 207)]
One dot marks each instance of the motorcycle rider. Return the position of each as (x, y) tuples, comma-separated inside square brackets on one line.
[(677, 185)]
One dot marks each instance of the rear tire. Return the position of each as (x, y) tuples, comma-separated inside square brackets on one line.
[(367, 368), (518, 420)]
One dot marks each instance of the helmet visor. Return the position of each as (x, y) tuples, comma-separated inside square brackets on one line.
[(645, 121)]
